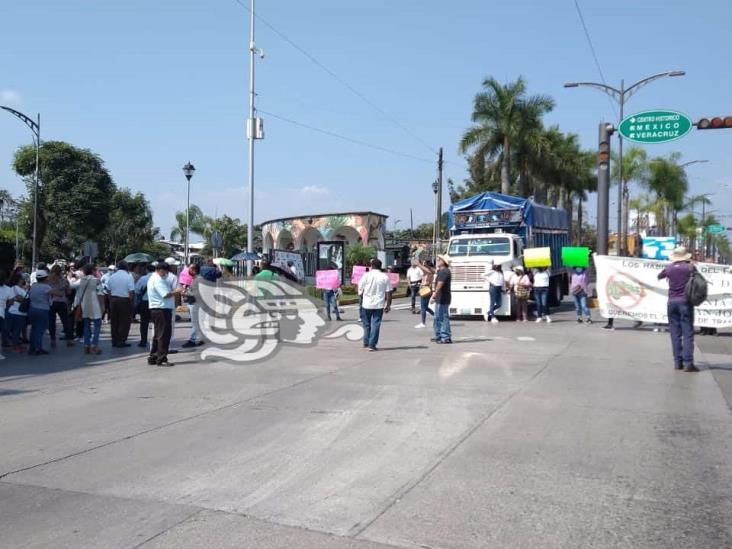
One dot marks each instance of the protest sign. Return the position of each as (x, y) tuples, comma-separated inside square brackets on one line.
[(357, 272), (629, 288), (327, 280), (394, 279), (576, 256), (281, 258), (658, 247), (538, 257)]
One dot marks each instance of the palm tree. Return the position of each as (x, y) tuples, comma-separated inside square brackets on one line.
[(667, 179), (635, 168), (198, 223), (502, 115)]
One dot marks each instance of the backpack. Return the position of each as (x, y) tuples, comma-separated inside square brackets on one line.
[(696, 288)]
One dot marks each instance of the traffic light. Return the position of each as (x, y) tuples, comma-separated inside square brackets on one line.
[(603, 153), (716, 123)]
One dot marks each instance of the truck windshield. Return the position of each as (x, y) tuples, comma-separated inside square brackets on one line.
[(479, 246)]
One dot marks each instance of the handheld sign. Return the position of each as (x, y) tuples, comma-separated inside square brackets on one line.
[(394, 279), (576, 256), (538, 257), (327, 280), (357, 273)]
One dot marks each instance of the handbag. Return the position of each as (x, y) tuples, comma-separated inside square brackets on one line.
[(24, 306), (78, 313), (425, 291), (522, 292), (577, 290)]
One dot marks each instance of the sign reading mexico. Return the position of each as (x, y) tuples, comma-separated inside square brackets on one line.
[(628, 287), (655, 126)]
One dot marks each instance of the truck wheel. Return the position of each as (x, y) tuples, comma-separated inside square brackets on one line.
[(555, 293)]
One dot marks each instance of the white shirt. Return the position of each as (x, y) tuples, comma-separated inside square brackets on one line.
[(414, 275), (120, 284), (541, 279), (495, 278), (373, 287), (6, 293), (15, 307)]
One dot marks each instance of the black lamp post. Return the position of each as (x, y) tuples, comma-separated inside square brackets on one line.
[(188, 170)]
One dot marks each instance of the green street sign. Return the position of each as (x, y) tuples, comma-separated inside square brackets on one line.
[(715, 228), (655, 126)]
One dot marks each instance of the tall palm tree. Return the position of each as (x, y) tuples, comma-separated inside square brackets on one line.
[(198, 223), (502, 114), (667, 179), (635, 168)]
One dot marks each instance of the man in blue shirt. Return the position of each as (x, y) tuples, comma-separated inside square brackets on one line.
[(161, 302)]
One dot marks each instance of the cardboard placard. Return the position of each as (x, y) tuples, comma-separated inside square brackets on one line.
[(394, 279), (327, 280), (357, 273), (576, 256), (185, 277), (538, 257)]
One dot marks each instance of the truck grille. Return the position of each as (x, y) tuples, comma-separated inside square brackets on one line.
[(468, 274)]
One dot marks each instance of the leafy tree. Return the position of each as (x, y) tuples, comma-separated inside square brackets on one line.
[(503, 116), (130, 226), (233, 233), (74, 199), (358, 254), (197, 220), (667, 179)]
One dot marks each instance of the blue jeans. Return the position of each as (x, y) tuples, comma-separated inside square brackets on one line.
[(17, 323), (89, 337), (330, 303), (580, 305), (39, 325), (371, 326), (496, 300), (414, 291), (681, 328), (541, 295), (424, 306), (441, 322), (192, 308)]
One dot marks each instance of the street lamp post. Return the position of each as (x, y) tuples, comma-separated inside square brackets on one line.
[(435, 189), (35, 127), (188, 170), (621, 96)]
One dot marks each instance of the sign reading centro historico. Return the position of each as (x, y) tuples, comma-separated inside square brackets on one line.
[(655, 126)]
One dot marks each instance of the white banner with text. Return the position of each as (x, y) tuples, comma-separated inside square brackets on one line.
[(628, 287)]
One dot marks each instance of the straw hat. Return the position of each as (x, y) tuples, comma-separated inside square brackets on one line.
[(680, 254), (518, 268), (444, 258)]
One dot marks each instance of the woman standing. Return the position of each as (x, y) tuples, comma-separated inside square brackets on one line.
[(17, 314), (578, 287), (425, 291), (521, 286), (39, 313), (541, 293), (90, 297), (59, 306)]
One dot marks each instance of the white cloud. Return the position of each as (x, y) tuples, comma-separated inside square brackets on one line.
[(311, 190), (9, 97)]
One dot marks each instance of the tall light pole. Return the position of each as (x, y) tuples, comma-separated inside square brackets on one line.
[(621, 96), (436, 190), (35, 127), (254, 131), (188, 170)]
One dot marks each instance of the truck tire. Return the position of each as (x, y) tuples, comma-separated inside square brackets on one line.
[(555, 292)]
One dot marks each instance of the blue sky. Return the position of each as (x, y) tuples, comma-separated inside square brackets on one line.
[(151, 85)]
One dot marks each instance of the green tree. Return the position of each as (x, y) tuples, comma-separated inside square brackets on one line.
[(667, 179), (197, 220), (503, 114), (358, 254), (233, 233), (74, 199), (130, 227)]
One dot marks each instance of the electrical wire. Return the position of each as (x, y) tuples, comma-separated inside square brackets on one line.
[(594, 53), (340, 80)]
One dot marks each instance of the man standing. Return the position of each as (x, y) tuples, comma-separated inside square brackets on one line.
[(680, 311), (161, 300), (414, 279), (375, 291), (441, 298), (104, 280), (141, 289), (121, 288), (190, 300)]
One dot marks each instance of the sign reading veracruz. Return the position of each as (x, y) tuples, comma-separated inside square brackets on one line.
[(655, 126)]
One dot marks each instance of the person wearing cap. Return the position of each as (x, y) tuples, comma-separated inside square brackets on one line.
[(441, 297), (680, 311), (39, 312), (521, 286), (161, 300)]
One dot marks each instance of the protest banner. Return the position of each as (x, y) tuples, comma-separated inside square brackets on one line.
[(394, 279), (628, 287), (280, 258), (537, 257), (576, 256), (356, 273), (327, 280)]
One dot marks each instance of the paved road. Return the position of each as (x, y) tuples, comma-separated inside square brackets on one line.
[(518, 435)]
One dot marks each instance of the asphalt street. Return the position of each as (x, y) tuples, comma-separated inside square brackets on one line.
[(519, 435)]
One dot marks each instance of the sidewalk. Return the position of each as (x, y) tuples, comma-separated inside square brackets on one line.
[(518, 435)]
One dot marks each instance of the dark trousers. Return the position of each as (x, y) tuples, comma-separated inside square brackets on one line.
[(120, 316), (162, 320), (414, 293), (681, 328), (61, 309), (144, 310)]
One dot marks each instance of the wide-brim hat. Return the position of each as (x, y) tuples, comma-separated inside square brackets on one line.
[(518, 268), (680, 254), (444, 258), (41, 274)]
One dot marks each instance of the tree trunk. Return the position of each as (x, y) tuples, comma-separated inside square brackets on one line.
[(525, 184), (579, 221), (506, 167), (540, 192), (569, 208)]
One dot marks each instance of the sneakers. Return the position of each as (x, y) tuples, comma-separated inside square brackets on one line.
[(494, 320), (579, 320), (538, 319), (549, 319), (588, 321), (421, 325), (188, 344)]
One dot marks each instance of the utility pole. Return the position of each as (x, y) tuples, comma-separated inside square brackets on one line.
[(603, 186), (254, 131), (438, 221)]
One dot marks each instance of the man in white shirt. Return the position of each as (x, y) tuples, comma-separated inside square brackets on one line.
[(161, 299), (414, 278), (121, 287), (375, 291)]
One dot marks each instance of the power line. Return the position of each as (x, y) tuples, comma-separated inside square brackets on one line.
[(340, 80), (346, 138), (594, 53)]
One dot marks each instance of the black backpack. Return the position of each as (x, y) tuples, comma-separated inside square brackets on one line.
[(696, 288)]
